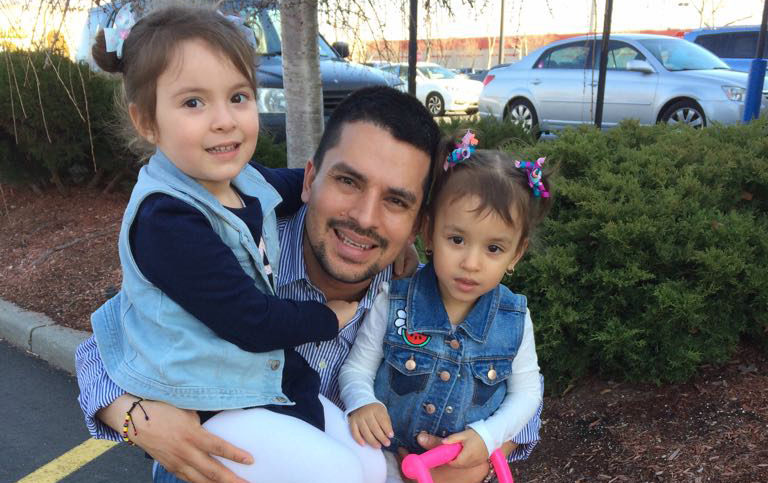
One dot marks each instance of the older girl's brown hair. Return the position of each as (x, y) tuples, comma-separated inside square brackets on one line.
[(501, 188), (150, 47)]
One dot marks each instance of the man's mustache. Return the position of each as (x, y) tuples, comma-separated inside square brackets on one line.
[(353, 226)]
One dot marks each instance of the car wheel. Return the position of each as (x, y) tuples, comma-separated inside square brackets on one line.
[(685, 113), (521, 111), (435, 104)]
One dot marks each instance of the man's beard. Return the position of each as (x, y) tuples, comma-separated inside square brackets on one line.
[(321, 254)]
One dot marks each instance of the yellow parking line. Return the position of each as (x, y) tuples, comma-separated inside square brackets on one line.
[(69, 462)]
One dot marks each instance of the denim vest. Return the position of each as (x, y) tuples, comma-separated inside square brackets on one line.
[(438, 380), (152, 347)]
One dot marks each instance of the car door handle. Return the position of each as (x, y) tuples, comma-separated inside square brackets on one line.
[(536, 82)]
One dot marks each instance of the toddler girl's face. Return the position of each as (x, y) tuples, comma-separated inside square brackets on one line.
[(207, 119), (471, 251)]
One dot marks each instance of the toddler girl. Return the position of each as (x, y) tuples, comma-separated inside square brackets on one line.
[(196, 323), (450, 351)]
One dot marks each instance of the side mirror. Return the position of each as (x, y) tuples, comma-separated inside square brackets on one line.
[(341, 48), (640, 66)]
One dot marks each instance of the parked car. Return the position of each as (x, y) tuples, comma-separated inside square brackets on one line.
[(737, 46), (651, 78), (440, 89), (339, 77)]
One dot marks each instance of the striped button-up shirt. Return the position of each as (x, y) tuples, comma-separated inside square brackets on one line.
[(97, 390)]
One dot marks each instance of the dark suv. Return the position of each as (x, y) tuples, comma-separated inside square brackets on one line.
[(339, 77)]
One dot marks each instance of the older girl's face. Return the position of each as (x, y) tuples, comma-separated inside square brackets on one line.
[(207, 120)]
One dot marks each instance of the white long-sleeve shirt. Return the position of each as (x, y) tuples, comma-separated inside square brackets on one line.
[(523, 386)]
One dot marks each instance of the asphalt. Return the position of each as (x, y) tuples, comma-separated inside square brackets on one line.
[(37, 334)]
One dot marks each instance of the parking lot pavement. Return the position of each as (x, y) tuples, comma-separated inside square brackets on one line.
[(43, 437)]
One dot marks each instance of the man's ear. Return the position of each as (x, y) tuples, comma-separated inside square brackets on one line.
[(140, 124), (309, 178)]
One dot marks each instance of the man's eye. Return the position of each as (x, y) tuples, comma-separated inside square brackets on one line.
[(193, 103), (398, 202), (457, 240), (345, 180)]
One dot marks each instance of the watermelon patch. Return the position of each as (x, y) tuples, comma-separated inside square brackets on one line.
[(415, 339)]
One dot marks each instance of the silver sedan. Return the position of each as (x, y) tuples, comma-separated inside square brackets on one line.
[(651, 78)]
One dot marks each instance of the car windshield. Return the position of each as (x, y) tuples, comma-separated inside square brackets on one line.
[(679, 54), (265, 23), (437, 72)]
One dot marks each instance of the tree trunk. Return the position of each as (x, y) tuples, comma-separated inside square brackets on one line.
[(301, 79)]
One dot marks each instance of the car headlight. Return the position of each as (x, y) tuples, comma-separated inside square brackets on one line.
[(734, 93), (271, 101)]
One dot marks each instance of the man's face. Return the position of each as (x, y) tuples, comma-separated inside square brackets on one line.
[(363, 203)]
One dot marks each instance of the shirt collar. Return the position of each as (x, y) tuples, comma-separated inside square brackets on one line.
[(292, 267)]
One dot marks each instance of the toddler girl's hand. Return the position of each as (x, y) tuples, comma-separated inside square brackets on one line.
[(406, 263), (371, 424), (473, 452), (344, 311)]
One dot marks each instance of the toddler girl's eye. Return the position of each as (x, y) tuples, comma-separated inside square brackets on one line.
[(458, 240), (193, 103), (494, 248)]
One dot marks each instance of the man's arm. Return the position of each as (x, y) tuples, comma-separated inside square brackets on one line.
[(172, 436)]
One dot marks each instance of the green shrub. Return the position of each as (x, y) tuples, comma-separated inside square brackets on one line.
[(45, 119), (655, 258), (491, 133)]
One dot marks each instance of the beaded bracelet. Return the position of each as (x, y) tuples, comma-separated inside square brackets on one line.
[(129, 420)]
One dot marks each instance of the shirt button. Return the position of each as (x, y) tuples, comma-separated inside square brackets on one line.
[(445, 376), (322, 364), (449, 409), (455, 344), (430, 408), (274, 364), (281, 399)]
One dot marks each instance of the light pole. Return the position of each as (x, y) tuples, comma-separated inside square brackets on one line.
[(604, 64), (501, 35), (756, 77)]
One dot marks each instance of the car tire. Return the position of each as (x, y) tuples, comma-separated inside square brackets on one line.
[(685, 113), (521, 111), (435, 104)]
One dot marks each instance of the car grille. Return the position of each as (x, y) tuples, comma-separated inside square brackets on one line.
[(331, 99)]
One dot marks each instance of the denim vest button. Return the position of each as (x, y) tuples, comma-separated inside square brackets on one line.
[(449, 409), (410, 364), (455, 344), (445, 376), (492, 374), (274, 364), (430, 408)]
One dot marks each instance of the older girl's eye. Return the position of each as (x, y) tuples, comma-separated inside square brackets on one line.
[(239, 98), (192, 103), (457, 240)]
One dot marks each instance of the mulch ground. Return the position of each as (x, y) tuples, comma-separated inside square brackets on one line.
[(58, 256)]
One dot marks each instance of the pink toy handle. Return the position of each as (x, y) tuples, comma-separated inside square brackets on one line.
[(418, 466)]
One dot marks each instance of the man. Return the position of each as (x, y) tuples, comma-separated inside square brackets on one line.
[(364, 192)]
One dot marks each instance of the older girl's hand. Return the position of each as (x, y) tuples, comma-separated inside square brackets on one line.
[(473, 452)]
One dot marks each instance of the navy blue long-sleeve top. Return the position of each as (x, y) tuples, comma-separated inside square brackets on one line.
[(177, 250)]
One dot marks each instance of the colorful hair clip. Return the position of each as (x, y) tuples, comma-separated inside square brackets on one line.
[(464, 149), (115, 36), (534, 176)]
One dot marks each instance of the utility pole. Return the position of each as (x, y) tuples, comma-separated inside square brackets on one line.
[(412, 48), (756, 77), (501, 35), (604, 64)]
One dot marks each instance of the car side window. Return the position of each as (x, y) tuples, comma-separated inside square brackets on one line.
[(620, 53), (568, 56), (743, 45), (718, 44)]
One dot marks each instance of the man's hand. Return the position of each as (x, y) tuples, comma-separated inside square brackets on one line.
[(406, 263), (371, 424), (473, 451), (344, 311), (176, 440)]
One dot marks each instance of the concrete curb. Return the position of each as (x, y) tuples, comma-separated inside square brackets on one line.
[(38, 334)]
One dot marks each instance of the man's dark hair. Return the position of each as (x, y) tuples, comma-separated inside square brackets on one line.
[(401, 114)]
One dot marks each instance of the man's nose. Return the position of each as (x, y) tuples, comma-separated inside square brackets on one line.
[(366, 211)]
